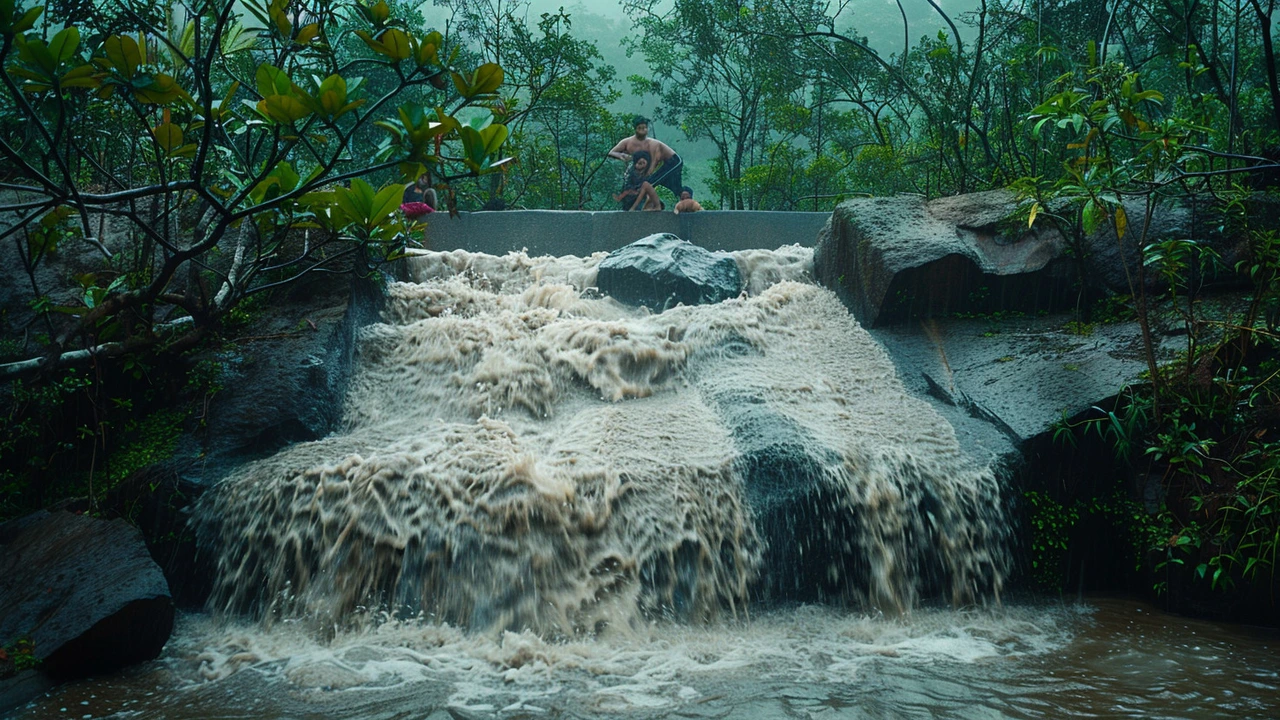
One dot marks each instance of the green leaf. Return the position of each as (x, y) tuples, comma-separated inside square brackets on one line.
[(272, 80), (63, 46), (494, 136), (236, 39), (167, 135), (35, 52), (9, 26), (283, 108), (487, 78), (332, 94), (307, 33), (157, 89), (461, 85), (280, 17), (428, 52), (1091, 217), (395, 44), (386, 202), (82, 76), (282, 179), (123, 54)]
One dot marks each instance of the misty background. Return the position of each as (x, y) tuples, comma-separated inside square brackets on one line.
[(604, 23)]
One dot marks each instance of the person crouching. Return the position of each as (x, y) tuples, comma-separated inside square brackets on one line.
[(687, 204)]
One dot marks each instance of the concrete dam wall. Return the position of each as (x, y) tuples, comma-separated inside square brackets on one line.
[(571, 232)]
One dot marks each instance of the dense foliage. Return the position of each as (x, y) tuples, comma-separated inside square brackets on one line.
[(192, 156)]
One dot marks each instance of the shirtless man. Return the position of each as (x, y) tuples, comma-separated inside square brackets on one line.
[(666, 162)]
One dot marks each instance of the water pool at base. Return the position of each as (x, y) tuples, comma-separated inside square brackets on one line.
[(1105, 657)]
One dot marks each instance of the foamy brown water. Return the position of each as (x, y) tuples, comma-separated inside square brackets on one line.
[(521, 453), (545, 504), (1107, 658)]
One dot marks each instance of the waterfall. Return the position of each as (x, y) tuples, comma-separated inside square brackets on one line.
[(519, 452)]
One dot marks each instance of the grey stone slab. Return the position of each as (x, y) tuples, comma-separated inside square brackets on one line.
[(1003, 383), (732, 230)]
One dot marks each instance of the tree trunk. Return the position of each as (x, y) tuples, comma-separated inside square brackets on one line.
[(1269, 55)]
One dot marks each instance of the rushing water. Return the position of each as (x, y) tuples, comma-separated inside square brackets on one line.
[(546, 504), (522, 453), (1105, 658)]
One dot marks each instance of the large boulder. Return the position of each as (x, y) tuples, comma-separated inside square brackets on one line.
[(283, 382), (82, 594), (662, 270), (898, 257)]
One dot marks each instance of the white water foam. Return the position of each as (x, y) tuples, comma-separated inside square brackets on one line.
[(657, 667)]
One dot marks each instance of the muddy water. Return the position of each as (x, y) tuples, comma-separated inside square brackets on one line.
[(1104, 658), (545, 504), (519, 452)]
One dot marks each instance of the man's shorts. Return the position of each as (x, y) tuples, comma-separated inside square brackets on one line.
[(668, 176)]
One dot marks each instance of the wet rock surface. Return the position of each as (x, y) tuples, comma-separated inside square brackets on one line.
[(84, 592), (898, 257), (893, 259), (1107, 260), (660, 271), (1002, 382), (285, 380), (809, 550)]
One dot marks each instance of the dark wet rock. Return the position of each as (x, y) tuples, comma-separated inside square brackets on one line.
[(1003, 382), (85, 593), (899, 257), (285, 380), (891, 259), (23, 688), (1102, 253), (810, 544), (662, 270)]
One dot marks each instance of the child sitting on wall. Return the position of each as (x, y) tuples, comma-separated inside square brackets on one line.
[(636, 189)]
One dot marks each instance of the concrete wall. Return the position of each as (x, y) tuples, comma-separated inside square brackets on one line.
[(569, 232)]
